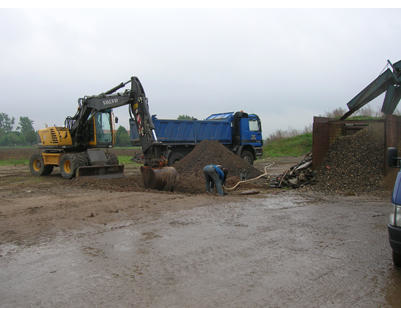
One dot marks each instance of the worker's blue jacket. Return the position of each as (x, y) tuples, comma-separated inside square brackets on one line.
[(218, 171)]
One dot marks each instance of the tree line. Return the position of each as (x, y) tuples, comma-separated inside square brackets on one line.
[(23, 134)]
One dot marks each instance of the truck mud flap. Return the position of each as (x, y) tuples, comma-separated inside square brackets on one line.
[(102, 171)]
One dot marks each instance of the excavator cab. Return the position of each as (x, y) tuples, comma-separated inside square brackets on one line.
[(101, 129)]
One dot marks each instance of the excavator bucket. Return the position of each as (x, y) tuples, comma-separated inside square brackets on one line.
[(163, 178), (101, 171)]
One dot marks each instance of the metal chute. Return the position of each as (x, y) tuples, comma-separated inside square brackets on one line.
[(389, 82)]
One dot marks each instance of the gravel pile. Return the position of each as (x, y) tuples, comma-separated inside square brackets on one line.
[(213, 152), (190, 168), (354, 163)]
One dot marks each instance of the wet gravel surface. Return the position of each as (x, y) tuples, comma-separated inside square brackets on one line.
[(280, 249)]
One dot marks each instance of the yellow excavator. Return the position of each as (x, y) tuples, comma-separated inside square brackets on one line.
[(80, 148)]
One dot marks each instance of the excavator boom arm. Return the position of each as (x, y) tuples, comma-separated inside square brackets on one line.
[(137, 102)]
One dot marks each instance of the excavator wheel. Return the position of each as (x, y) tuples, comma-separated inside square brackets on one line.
[(70, 162), (37, 166)]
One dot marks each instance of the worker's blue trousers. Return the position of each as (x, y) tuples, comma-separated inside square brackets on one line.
[(212, 179)]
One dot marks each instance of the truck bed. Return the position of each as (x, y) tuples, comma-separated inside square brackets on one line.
[(188, 131)]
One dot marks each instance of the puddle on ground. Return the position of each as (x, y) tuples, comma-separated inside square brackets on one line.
[(234, 254)]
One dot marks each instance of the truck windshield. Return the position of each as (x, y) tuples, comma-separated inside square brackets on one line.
[(254, 125), (103, 128)]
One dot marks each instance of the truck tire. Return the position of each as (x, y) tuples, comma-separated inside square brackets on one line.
[(397, 259), (37, 166), (175, 157), (69, 164), (247, 156)]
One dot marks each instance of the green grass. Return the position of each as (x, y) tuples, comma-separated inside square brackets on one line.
[(8, 147), (126, 147), (364, 118), (126, 160), (294, 146), (12, 162)]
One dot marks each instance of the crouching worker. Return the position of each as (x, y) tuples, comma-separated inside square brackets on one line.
[(215, 175)]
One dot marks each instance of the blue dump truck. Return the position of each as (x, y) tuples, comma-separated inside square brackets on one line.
[(240, 132)]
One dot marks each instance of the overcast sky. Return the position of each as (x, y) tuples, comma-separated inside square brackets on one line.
[(286, 65)]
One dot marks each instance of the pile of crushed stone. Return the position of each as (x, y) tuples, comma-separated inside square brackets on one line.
[(190, 168), (213, 152), (354, 163)]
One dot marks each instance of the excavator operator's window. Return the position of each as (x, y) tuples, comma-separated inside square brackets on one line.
[(103, 128)]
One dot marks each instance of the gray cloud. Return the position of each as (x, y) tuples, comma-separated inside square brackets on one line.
[(286, 65)]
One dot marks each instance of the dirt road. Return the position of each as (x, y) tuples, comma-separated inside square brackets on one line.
[(72, 244)]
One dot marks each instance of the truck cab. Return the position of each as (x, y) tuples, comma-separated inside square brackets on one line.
[(246, 133)]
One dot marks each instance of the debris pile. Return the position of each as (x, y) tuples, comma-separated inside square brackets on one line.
[(298, 175)]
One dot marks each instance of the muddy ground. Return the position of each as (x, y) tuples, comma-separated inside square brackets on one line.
[(79, 244), (36, 208)]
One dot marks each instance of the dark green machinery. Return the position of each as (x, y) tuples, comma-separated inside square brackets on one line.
[(389, 82)]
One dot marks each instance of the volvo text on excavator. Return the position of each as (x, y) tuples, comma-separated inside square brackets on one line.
[(78, 148)]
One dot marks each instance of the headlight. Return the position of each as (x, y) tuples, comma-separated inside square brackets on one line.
[(395, 217)]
